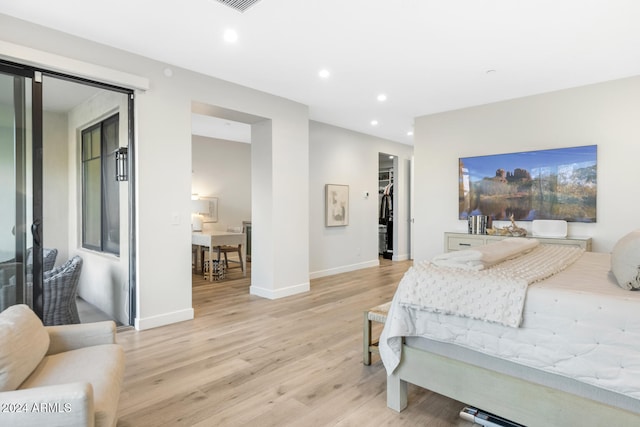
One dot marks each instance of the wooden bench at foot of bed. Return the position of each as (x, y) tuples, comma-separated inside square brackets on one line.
[(376, 314)]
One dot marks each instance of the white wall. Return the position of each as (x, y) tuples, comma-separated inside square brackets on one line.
[(163, 171), (222, 169), (341, 156), (605, 114), (55, 184)]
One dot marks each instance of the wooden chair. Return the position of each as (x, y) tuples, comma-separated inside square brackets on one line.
[(233, 249), (195, 256)]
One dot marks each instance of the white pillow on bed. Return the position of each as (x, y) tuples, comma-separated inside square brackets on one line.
[(625, 261)]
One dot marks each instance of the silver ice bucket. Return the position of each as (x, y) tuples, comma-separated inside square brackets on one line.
[(478, 224)]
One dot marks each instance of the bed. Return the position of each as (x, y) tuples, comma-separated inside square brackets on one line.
[(573, 358)]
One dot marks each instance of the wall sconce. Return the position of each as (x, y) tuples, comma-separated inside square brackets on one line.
[(122, 173)]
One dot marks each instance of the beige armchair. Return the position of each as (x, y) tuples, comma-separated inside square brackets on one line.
[(67, 375)]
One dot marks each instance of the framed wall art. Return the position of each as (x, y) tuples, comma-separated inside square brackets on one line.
[(336, 205), (212, 214), (559, 184)]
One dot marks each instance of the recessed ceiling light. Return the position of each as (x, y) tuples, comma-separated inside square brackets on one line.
[(410, 133), (374, 123), (491, 71), (230, 36), (382, 97), (324, 73)]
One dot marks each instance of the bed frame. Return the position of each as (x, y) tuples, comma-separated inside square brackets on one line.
[(516, 399)]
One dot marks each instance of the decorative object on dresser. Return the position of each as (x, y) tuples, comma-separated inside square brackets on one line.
[(478, 224), (549, 228), (511, 230)]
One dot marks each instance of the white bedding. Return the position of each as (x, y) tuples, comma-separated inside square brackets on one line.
[(577, 323)]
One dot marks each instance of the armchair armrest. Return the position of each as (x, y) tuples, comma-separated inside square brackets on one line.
[(60, 405), (71, 337)]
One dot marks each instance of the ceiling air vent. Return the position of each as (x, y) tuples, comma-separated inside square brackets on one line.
[(240, 5)]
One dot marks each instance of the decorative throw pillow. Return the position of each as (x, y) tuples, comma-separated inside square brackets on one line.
[(625, 261), (23, 344)]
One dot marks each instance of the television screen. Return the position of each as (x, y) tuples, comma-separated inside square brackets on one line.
[(545, 184)]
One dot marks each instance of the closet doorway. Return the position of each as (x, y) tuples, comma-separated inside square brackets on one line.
[(387, 229)]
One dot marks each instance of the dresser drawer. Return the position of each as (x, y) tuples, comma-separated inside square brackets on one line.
[(460, 243)]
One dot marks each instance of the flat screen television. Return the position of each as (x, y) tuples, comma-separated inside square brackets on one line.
[(544, 184)]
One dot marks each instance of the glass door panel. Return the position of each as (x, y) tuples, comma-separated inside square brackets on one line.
[(16, 184)]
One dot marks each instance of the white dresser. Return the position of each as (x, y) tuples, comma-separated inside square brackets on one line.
[(460, 241)]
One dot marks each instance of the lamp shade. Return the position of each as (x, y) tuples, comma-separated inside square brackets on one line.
[(200, 207)]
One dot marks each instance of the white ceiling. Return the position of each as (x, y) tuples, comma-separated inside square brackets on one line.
[(427, 56)]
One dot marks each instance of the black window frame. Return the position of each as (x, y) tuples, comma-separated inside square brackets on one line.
[(107, 199)]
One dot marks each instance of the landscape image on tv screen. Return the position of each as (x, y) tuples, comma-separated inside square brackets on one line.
[(546, 184)]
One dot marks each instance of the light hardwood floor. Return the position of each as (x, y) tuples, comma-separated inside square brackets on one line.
[(295, 361)]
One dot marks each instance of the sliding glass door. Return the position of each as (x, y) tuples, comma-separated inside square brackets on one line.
[(34, 103), (20, 188)]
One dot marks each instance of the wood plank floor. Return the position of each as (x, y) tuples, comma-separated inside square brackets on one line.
[(295, 361)]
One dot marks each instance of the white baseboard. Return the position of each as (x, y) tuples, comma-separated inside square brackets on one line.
[(279, 293), (401, 257), (344, 269), (163, 319)]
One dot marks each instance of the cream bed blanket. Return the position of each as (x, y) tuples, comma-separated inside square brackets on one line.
[(486, 256), (494, 294)]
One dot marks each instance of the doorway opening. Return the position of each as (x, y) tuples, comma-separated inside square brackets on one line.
[(86, 209), (387, 229), (221, 178)]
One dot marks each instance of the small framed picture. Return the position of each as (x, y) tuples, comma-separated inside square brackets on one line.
[(212, 214), (337, 205)]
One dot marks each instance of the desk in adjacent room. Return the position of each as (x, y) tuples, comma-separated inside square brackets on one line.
[(213, 239)]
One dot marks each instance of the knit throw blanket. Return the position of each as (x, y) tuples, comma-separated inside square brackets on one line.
[(494, 294), (485, 256)]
